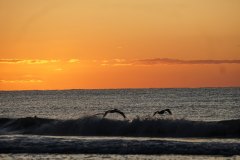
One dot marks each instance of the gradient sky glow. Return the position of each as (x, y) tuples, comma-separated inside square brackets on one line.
[(77, 44)]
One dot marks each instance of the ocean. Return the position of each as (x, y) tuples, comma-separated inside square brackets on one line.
[(69, 124)]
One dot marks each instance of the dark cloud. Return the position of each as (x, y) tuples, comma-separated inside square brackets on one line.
[(179, 61)]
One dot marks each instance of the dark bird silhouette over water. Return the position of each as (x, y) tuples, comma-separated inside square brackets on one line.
[(163, 111), (114, 111)]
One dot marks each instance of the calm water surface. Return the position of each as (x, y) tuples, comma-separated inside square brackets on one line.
[(194, 104)]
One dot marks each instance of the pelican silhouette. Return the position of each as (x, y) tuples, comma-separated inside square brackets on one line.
[(163, 111), (114, 111)]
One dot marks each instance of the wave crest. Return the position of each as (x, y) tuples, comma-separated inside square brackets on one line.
[(145, 127)]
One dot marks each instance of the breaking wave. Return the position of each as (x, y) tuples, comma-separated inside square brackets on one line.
[(95, 126), (113, 145)]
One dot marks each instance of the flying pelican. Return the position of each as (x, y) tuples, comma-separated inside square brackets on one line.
[(163, 111), (114, 111)]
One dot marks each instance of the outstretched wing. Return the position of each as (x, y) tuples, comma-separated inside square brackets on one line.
[(105, 114), (155, 113), (114, 111), (121, 113), (169, 111)]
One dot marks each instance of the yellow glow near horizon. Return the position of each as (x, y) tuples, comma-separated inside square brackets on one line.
[(59, 44)]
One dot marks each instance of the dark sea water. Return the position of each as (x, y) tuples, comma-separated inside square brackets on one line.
[(205, 124), (194, 104)]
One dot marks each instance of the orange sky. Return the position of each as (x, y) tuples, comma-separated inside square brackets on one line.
[(71, 44)]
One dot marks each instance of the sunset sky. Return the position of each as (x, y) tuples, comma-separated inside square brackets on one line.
[(85, 44)]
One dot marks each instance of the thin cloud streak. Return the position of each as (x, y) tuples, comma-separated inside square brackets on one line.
[(11, 61), (22, 81), (156, 61), (116, 62), (73, 61), (27, 61), (123, 62)]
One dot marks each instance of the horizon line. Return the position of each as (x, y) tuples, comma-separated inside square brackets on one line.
[(211, 87)]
